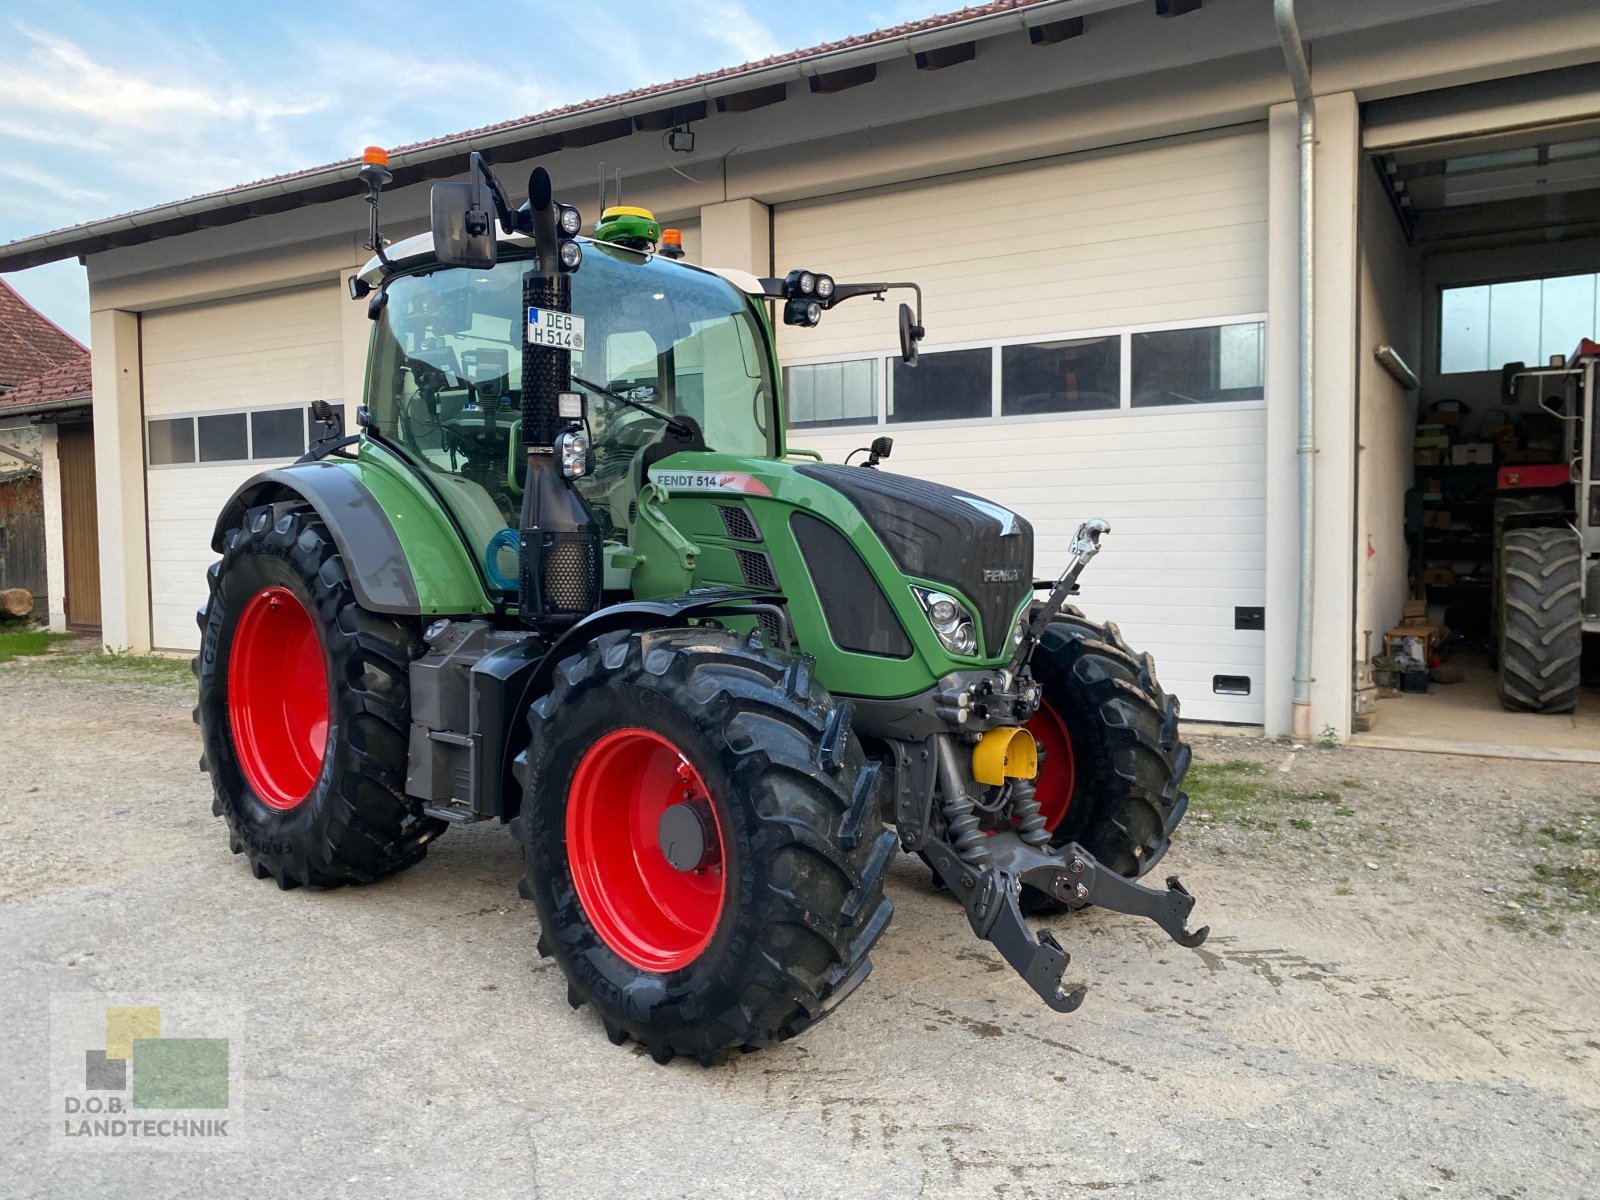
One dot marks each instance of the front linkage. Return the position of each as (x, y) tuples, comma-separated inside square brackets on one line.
[(986, 869)]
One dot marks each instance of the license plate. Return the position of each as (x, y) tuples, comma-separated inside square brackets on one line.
[(559, 329)]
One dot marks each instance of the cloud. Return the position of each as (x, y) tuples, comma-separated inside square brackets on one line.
[(729, 24), (57, 77)]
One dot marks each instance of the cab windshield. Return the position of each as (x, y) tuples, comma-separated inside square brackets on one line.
[(444, 385)]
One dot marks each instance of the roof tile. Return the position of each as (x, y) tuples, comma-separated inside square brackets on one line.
[(69, 381), (30, 342)]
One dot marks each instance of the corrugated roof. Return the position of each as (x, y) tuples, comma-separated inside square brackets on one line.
[(55, 388), (332, 181), (30, 342)]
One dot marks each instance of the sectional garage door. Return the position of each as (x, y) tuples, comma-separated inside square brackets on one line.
[(226, 388), (1094, 346)]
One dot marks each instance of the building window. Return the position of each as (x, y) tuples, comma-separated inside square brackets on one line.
[(171, 441), (1209, 365), (1484, 327), (278, 433), (243, 435), (224, 437), (840, 393), (1078, 375), (945, 385)]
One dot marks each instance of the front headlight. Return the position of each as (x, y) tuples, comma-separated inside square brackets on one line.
[(573, 446), (951, 620)]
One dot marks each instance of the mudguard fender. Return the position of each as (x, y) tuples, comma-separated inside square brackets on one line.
[(379, 570)]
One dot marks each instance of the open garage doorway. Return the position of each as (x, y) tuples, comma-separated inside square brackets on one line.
[(1478, 614)]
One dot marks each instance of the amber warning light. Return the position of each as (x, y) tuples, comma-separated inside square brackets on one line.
[(672, 243), (376, 155)]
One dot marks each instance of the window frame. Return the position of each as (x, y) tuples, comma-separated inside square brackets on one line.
[(1124, 409), (249, 429)]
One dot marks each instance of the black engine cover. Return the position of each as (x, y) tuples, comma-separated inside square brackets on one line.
[(973, 545)]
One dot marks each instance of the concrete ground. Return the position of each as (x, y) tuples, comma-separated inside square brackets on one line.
[(1398, 1000), (1468, 715)]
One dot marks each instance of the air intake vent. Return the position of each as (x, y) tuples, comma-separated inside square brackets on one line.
[(741, 526), (568, 573), (757, 570)]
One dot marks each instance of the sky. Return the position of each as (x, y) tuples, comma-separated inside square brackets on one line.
[(108, 106)]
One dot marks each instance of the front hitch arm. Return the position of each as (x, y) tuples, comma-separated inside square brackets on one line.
[(989, 891)]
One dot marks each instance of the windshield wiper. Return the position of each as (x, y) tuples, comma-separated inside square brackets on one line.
[(672, 423)]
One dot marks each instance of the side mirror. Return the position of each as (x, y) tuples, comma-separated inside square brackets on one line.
[(463, 225), (910, 334)]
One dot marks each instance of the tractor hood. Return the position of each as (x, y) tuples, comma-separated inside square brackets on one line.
[(974, 546)]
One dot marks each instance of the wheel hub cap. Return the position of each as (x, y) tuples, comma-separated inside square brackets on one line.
[(278, 698)]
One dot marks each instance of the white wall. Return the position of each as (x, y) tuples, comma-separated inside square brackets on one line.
[(55, 560), (1390, 289)]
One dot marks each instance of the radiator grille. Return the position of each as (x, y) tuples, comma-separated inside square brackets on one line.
[(757, 570), (738, 522)]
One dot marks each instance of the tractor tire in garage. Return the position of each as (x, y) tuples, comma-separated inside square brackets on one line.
[(1541, 619), (1112, 767), (305, 708), (703, 841)]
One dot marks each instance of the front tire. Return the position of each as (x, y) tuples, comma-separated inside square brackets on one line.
[(764, 924), (1113, 768), (304, 709)]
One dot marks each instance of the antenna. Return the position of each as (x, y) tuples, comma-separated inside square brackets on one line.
[(602, 207)]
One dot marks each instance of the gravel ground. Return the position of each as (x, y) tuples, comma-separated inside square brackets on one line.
[(1397, 1000)]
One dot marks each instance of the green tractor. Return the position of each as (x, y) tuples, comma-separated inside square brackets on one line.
[(569, 576)]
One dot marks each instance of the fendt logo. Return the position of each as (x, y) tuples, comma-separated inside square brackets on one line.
[(1002, 574)]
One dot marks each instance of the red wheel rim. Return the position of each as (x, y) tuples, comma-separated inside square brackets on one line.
[(652, 915), (278, 698), (1057, 772)]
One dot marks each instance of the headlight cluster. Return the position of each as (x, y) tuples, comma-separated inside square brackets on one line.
[(573, 446), (951, 620), (807, 294)]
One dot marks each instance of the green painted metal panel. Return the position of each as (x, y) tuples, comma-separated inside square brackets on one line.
[(448, 581), (697, 482)]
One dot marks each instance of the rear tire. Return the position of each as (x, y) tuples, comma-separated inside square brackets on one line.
[(1541, 619), (1122, 797), (340, 814), (800, 843)]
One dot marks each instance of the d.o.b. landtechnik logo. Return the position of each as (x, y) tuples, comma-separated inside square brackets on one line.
[(138, 1085)]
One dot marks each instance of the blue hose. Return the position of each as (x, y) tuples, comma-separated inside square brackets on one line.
[(491, 558)]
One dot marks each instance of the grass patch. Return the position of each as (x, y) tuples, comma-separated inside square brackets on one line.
[(146, 667), (1246, 793), (1567, 882), (27, 642)]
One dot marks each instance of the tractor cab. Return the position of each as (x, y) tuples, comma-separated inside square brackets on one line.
[(669, 357)]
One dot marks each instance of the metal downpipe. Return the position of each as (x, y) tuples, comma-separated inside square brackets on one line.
[(1294, 57)]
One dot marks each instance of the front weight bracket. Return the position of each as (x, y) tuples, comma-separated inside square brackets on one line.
[(989, 890)]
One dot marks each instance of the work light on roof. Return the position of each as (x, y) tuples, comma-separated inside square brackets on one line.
[(800, 311)]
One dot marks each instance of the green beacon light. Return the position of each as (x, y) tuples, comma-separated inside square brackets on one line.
[(635, 228)]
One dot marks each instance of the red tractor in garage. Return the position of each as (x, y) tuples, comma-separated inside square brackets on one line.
[(1547, 544)]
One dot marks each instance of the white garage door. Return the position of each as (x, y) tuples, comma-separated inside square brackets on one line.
[(226, 388), (1095, 336)]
